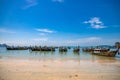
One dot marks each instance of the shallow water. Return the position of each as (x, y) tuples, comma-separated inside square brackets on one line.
[(35, 65), (28, 54)]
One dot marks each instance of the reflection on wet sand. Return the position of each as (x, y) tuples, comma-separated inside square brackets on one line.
[(58, 69)]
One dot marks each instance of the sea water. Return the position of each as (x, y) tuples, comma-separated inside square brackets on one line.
[(39, 64), (28, 54)]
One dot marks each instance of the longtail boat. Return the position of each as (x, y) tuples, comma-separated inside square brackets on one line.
[(104, 52)]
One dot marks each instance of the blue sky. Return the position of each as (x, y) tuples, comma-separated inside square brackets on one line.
[(59, 22)]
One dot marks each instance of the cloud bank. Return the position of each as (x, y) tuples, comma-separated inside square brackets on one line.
[(41, 39)]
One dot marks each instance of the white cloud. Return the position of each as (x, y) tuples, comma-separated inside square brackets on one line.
[(30, 3), (45, 30), (59, 1), (95, 23), (75, 42), (6, 31), (40, 39), (98, 26), (37, 41)]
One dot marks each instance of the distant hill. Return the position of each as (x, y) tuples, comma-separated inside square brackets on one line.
[(3, 45)]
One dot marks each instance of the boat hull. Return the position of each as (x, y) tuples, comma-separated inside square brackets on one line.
[(108, 54)]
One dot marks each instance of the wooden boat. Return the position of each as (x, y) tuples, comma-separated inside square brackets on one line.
[(16, 48), (76, 50), (104, 52), (42, 49), (61, 49), (69, 47)]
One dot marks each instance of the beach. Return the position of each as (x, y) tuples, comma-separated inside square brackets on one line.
[(46, 65), (59, 39), (59, 69)]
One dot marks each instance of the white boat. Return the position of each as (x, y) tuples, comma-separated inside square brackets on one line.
[(104, 52), (100, 50), (97, 51)]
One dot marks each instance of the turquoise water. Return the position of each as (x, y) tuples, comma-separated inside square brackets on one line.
[(86, 65), (44, 55)]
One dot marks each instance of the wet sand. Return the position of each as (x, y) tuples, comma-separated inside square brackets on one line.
[(59, 70)]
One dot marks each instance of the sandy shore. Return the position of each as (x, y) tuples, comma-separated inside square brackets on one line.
[(59, 70)]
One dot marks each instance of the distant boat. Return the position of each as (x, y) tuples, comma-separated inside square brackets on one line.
[(76, 50), (17, 48), (42, 48), (62, 49), (104, 52)]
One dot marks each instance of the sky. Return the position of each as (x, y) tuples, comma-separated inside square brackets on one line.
[(60, 22)]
